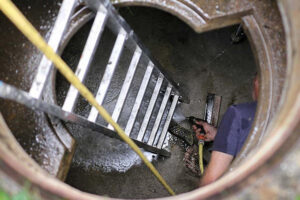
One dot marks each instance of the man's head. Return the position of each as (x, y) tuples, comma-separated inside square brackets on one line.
[(255, 89)]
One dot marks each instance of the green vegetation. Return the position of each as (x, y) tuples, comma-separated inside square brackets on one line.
[(22, 195), (4, 195)]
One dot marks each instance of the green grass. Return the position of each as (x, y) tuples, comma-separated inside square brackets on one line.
[(4, 195), (22, 195)]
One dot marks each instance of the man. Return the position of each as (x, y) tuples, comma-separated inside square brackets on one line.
[(229, 138)]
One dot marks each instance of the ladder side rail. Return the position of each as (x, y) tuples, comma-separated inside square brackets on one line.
[(116, 22), (12, 93)]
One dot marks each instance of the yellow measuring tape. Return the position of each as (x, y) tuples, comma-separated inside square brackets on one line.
[(13, 13)]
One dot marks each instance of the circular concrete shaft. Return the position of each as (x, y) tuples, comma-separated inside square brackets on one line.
[(201, 63), (274, 38)]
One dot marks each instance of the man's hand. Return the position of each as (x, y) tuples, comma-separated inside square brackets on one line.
[(209, 130)]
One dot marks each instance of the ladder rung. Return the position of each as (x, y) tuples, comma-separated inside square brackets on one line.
[(109, 71), (127, 82), (87, 56), (159, 115), (57, 33), (139, 98), (22, 97), (150, 107), (167, 123)]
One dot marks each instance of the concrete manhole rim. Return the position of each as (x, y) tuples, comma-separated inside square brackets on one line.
[(280, 128)]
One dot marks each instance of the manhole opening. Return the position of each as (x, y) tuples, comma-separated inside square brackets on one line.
[(200, 63)]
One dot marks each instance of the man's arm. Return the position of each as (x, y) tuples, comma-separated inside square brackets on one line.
[(217, 166)]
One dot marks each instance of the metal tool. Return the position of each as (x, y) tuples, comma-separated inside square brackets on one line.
[(193, 120)]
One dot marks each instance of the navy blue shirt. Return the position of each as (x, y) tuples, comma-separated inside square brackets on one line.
[(234, 128)]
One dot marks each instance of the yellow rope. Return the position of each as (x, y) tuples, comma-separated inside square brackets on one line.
[(12, 12), (201, 157)]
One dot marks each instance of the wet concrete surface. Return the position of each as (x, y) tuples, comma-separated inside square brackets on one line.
[(200, 63), (19, 61)]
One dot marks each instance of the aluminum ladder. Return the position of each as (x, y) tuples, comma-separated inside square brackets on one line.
[(150, 132)]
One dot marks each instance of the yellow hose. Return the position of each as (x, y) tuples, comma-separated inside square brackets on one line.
[(12, 12), (201, 157)]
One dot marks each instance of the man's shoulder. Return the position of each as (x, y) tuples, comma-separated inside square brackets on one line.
[(244, 107)]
